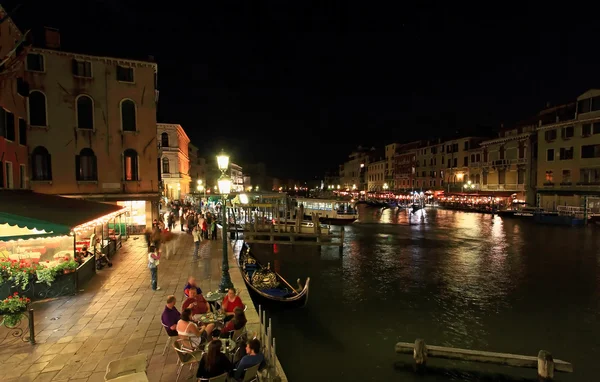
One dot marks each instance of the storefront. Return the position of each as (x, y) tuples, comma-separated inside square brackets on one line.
[(49, 245), (138, 215)]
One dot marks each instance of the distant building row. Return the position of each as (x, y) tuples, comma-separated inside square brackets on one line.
[(549, 160)]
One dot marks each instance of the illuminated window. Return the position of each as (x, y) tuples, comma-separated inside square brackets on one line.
[(130, 165)]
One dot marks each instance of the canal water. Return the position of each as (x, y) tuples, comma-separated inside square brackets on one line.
[(453, 278)]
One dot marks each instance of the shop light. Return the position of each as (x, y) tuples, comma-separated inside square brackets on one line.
[(100, 221)]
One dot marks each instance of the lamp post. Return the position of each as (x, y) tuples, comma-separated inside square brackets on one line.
[(224, 183)]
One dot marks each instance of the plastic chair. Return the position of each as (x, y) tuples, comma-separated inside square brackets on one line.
[(126, 366), (169, 338), (185, 357), (218, 378), (251, 374)]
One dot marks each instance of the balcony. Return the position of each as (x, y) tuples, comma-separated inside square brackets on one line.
[(174, 175), (503, 187)]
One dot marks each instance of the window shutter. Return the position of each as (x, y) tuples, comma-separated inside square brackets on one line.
[(49, 164), (77, 167), (1, 174), (94, 168)]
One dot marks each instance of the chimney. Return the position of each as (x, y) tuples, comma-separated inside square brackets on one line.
[(52, 38)]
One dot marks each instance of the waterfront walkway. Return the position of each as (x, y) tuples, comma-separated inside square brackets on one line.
[(117, 315)]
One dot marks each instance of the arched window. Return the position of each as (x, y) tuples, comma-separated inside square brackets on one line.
[(86, 165), (128, 117), (85, 112), (37, 109), (165, 165), (41, 164), (130, 165), (164, 140)]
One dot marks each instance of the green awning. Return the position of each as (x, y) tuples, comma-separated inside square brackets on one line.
[(53, 214), (32, 223)]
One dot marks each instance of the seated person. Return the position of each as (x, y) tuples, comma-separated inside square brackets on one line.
[(230, 302), (252, 357), (170, 316), (196, 303), (214, 363), (188, 330), (237, 323), (191, 284)]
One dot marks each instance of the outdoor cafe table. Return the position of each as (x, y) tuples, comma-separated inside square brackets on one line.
[(210, 318), (228, 345), (214, 298)]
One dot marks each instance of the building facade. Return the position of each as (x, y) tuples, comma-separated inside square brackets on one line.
[(237, 177), (429, 166), (508, 163), (174, 160), (353, 171), (390, 155), (569, 157), (14, 156), (92, 129), (404, 166), (376, 175), (456, 160)]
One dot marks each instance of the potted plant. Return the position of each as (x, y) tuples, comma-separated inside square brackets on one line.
[(69, 266), (46, 275), (11, 309)]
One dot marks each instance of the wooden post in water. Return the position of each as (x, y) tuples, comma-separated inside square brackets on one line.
[(545, 366), (420, 354), (341, 240)]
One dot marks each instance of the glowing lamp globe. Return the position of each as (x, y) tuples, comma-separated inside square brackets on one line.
[(222, 161), (224, 185)]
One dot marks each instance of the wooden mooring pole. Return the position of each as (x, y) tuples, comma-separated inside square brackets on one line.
[(544, 362)]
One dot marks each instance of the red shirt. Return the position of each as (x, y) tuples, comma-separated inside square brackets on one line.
[(200, 307), (229, 306)]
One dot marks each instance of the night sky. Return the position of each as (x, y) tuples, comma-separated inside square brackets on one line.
[(298, 84)]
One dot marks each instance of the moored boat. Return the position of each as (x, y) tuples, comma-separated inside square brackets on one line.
[(329, 211), (269, 286)]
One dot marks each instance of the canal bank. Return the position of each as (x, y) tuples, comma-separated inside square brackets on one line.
[(456, 279), (253, 325)]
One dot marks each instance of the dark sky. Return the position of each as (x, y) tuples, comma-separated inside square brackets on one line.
[(298, 84)]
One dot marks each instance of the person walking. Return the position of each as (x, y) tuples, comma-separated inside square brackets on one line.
[(153, 261), (197, 239)]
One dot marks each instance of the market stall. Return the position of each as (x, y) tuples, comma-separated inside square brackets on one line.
[(49, 245)]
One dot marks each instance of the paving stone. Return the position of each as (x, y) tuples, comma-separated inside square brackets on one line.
[(116, 315)]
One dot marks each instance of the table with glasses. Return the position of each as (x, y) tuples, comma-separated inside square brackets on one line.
[(215, 298), (210, 318), (228, 346)]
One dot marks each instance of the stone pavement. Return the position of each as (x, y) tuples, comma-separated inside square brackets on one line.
[(116, 315)]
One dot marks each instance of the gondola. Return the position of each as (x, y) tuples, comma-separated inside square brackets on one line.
[(267, 285)]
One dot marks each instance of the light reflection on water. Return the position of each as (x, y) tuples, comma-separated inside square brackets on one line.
[(453, 278)]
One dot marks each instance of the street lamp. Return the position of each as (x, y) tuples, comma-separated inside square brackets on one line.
[(224, 189)]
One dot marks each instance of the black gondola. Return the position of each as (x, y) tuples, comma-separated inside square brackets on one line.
[(268, 285)]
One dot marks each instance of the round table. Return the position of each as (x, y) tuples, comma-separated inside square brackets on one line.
[(210, 318), (226, 348), (214, 296)]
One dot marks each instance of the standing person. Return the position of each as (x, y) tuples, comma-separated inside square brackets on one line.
[(153, 261), (213, 230), (197, 240), (205, 229), (181, 221)]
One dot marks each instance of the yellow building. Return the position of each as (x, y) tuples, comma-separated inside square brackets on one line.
[(459, 157), (173, 144), (569, 157), (429, 167), (92, 128), (390, 157), (509, 164), (376, 175)]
